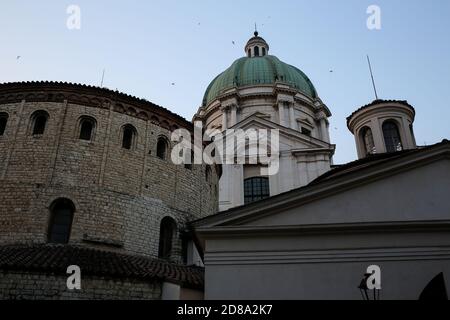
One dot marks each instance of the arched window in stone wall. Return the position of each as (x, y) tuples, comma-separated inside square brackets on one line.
[(129, 137), (256, 189), (167, 233), (3, 122), (39, 121), (392, 136), (87, 128), (162, 148), (61, 218), (367, 139), (263, 51)]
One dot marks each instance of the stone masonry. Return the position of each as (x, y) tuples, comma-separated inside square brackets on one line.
[(120, 195)]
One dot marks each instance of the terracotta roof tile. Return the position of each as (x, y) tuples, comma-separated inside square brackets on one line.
[(56, 259)]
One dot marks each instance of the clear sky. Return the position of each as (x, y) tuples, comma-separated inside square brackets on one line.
[(146, 46)]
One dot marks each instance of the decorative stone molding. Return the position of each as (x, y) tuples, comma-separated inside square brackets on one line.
[(89, 96)]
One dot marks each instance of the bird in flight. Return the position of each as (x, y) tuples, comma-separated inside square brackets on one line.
[(233, 42), (18, 57)]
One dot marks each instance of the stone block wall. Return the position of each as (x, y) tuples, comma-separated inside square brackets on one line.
[(120, 195), (39, 286)]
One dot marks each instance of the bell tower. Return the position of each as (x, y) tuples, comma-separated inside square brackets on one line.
[(383, 126)]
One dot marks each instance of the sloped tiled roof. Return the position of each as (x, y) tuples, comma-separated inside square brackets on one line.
[(56, 258)]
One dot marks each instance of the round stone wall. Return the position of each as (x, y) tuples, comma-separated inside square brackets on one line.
[(120, 195)]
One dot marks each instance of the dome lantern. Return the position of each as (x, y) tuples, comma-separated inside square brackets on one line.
[(256, 46)]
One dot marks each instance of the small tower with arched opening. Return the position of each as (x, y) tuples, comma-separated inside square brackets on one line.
[(384, 126), (256, 46)]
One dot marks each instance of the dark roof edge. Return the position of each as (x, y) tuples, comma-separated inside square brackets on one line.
[(379, 101), (330, 228), (54, 85)]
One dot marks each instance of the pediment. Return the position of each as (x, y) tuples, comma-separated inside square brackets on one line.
[(289, 138)]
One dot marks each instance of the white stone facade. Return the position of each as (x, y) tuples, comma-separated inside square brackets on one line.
[(305, 148)]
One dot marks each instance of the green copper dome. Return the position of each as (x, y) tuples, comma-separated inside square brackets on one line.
[(265, 70)]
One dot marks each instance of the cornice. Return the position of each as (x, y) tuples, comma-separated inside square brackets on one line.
[(335, 228), (58, 92), (383, 104)]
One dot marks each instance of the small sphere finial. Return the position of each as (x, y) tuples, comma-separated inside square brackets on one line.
[(256, 33)]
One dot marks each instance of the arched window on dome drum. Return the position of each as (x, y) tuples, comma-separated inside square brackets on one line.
[(167, 232), (129, 137), (256, 189), (3, 121), (39, 119), (263, 51), (392, 136), (161, 148), (367, 137), (87, 126), (61, 218), (249, 53), (256, 51)]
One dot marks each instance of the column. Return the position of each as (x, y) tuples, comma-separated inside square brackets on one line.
[(378, 137), (323, 130), (233, 115), (224, 119), (281, 113), (292, 116), (359, 147), (409, 143)]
